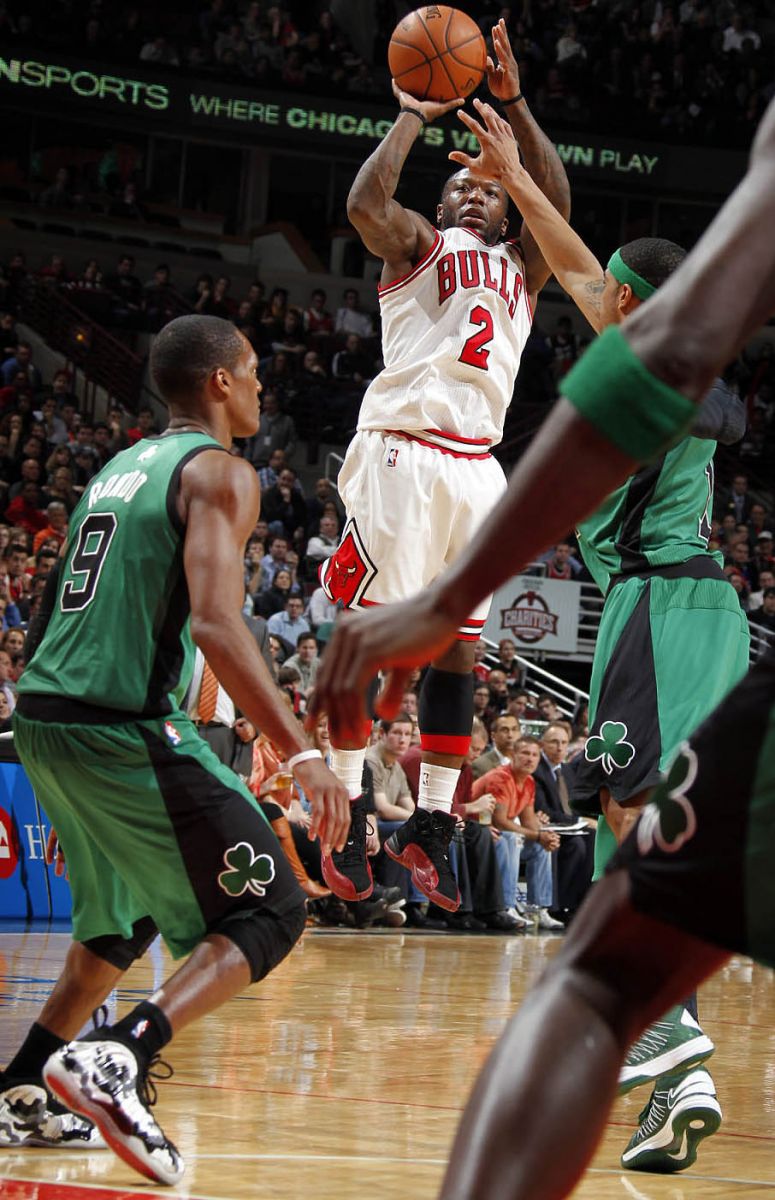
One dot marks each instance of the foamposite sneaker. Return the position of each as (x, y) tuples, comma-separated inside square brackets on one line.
[(347, 872), (683, 1109), (28, 1117), (674, 1043), (422, 845), (101, 1080)]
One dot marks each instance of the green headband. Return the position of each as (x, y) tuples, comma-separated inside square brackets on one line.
[(624, 274)]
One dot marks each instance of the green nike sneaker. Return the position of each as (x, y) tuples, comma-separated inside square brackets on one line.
[(683, 1109), (676, 1042)]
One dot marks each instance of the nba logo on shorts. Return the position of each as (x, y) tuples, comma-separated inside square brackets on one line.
[(392, 457), (173, 737)]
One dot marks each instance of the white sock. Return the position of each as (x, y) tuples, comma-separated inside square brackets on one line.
[(437, 787), (347, 765)]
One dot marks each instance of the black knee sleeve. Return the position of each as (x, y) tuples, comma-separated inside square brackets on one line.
[(122, 952), (446, 712), (263, 936)]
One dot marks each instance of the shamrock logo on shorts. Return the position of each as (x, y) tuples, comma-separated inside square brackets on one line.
[(247, 870), (669, 820), (609, 747)]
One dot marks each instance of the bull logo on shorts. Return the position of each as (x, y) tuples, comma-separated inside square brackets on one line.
[(609, 747), (669, 820), (349, 570), (247, 871)]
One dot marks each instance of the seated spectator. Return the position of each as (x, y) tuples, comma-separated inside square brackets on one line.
[(292, 340), (320, 610), (254, 553), (318, 321), (289, 683), (499, 690), (763, 558), (548, 707), (159, 299), (507, 662), (55, 272), (305, 661), (54, 428), (274, 598), (350, 318), (56, 527), (478, 743), (289, 624), (12, 642), (323, 545), (14, 572), (553, 780), (276, 431), (7, 686), (62, 392), (273, 318), (21, 361), (325, 494), (25, 510), (738, 557), (220, 303), (522, 834), (561, 562), (482, 700), (352, 366), (126, 291), (144, 428), (60, 487), (283, 507), (201, 292), (766, 580), (764, 616), (30, 472), (481, 670), (505, 732), (274, 560), (740, 584)]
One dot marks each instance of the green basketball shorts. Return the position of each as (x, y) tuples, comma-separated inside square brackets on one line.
[(671, 644), (151, 824), (700, 857)]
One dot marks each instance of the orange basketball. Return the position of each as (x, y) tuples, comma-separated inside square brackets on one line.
[(437, 53)]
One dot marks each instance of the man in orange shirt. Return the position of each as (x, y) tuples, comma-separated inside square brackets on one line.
[(56, 515), (521, 831)]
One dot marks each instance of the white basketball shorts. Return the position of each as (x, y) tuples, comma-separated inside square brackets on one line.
[(413, 504)]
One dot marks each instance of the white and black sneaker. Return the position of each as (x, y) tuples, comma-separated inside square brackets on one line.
[(28, 1117), (682, 1110), (101, 1080)]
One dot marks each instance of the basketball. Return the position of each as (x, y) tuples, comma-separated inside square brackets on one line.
[(437, 53)]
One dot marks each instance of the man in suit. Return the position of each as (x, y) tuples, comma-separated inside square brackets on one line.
[(575, 858), (228, 733), (505, 731)]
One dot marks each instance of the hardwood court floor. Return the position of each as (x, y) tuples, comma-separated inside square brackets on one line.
[(343, 1075)]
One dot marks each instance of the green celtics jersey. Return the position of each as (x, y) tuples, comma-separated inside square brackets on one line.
[(119, 634), (659, 516)]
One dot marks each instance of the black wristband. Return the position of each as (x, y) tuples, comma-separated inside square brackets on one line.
[(512, 100), (415, 113)]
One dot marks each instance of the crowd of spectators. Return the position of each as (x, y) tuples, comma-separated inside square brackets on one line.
[(697, 70)]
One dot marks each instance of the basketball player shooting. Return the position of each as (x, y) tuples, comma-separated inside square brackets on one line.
[(658, 923), (456, 301)]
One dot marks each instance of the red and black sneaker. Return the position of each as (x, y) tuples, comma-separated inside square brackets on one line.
[(421, 845), (347, 872)]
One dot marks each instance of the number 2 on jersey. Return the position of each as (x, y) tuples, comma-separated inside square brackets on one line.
[(476, 350), (87, 560)]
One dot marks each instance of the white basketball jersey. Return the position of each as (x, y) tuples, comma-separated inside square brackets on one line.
[(453, 331)]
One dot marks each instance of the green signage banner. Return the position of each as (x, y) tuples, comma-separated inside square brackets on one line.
[(173, 104)]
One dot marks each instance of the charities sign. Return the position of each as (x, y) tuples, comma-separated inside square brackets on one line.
[(174, 104), (539, 614)]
